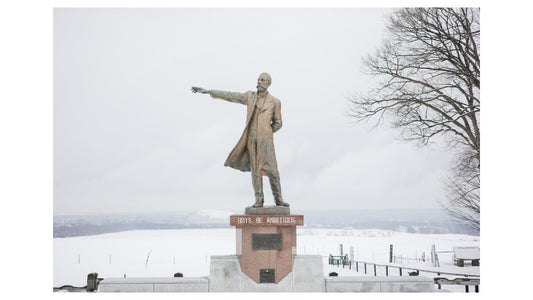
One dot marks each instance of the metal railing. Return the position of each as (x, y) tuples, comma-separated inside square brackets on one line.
[(401, 268), (468, 280)]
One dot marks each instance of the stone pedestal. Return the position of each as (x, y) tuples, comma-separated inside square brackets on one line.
[(266, 242), (267, 210)]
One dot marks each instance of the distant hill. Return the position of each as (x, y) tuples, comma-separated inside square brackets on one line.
[(80, 225), (425, 221), (413, 221)]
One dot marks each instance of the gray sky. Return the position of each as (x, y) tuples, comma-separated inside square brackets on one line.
[(129, 136)]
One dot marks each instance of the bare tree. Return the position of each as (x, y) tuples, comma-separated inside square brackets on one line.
[(428, 82), (463, 191)]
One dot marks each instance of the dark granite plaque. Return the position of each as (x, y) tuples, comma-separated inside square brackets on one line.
[(267, 275), (267, 241)]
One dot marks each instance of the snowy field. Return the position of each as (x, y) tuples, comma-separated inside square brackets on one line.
[(161, 253)]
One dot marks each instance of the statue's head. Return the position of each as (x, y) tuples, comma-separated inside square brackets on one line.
[(263, 82)]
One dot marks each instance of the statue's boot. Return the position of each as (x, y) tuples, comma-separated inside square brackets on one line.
[(258, 202), (282, 203)]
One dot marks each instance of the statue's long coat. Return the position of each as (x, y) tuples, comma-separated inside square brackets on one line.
[(268, 122)]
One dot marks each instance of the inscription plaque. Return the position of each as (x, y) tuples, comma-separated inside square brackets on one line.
[(267, 241), (267, 275), (266, 220)]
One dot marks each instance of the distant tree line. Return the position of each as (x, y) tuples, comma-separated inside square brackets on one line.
[(71, 230)]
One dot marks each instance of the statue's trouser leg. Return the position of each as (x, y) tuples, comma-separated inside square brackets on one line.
[(276, 188), (257, 182)]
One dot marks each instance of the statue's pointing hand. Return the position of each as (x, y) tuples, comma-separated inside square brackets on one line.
[(196, 89)]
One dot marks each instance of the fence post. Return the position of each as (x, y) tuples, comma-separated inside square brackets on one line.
[(466, 288), (357, 266), (347, 261), (434, 258), (352, 257), (390, 254), (400, 271), (386, 270), (375, 273), (365, 268)]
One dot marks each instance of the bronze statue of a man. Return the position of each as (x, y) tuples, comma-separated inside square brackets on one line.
[(255, 150)]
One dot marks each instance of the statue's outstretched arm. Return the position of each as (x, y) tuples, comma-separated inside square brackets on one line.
[(228, 96)]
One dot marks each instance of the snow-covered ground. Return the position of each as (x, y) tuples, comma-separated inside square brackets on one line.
[(161, 253)]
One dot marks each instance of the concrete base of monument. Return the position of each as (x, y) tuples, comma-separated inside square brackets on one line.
[(154, 285), (380, 284), (307, 276)]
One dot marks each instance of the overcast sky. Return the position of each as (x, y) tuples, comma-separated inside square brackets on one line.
[(129, 136)]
